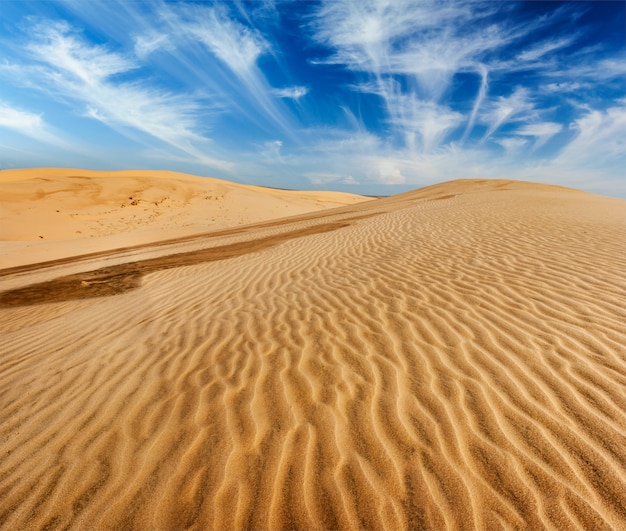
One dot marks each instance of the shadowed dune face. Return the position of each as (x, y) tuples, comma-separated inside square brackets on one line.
[(451, 358)]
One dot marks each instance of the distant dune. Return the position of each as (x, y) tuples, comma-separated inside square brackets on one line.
[(449, 358), (93, 211)]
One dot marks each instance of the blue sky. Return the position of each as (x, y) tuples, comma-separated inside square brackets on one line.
[(373, 97)]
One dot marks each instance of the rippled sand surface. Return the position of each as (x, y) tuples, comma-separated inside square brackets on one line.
[(450, 358)]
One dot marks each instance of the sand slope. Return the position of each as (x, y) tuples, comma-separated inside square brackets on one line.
[(47, 213), (451, 358)]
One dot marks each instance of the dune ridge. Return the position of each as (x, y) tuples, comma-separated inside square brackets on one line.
[(450, 358)]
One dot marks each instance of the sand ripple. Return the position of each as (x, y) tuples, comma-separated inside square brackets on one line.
[(453, 358)]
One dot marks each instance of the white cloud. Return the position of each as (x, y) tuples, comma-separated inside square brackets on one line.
[(19, 120), (431, 122), (541, 132), (89, 63), (294, 93), (380, 167), (325, 178), (427, 40), (29, 124), (322, 177), (341, 142), (594, 161), (258, 12), (238, 48), (610, 68), (564, 86), (77, 71), (588, 69), (545, 48), (434, 59), (150, 43), (367, 34), (600, 138), (411, 52), (236, 45), (480, 96), (271, 150), (423, 123), (349, 180), (389, 171), (512, 145), (505, 109)]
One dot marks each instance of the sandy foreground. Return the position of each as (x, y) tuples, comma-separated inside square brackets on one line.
[(450, 358)]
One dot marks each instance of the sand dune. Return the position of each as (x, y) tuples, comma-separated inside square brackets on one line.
[(450, 358), (47, 213)]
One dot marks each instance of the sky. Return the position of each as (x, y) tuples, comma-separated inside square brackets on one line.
[(366, 96)]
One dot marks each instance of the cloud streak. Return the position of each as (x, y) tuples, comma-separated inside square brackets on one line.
[(411, 53), (76, 71), (294, 93), (541, 132), (505, 109), (29, 124), (482, 92), (150, 43), (238, 48), (544, 48)]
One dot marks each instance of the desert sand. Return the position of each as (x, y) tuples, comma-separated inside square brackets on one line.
[(449, 358), (44, 211)]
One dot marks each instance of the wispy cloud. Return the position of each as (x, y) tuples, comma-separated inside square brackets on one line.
[(423, 121), (423, 124), (404, 37), (237, 47), (271, 150), (294, 93), (564, 86), (482, 92), (325, 178), (77, 71), (600, 137), (19, 120), (545, 48), (29, 124), (505, 109), (150, 43), (512, 145), (411, 53), (92, 64), (541, 132), (587, 68)]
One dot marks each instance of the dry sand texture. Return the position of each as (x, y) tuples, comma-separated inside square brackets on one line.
[(44, 211), (451, 358)]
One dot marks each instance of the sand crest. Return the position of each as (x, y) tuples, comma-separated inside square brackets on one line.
[(450, 358)]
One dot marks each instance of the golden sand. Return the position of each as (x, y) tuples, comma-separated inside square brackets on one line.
[(49, 213), (450, 358)]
